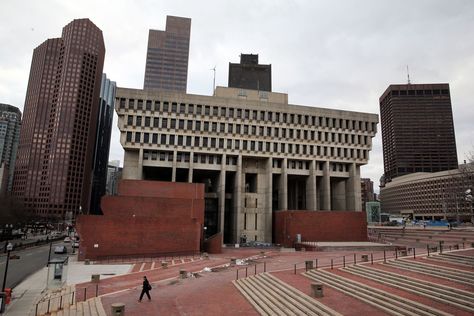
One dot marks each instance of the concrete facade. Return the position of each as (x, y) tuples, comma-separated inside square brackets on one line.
[(430, 196), (254, 152)]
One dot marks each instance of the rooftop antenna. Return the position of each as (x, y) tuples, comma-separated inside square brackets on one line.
[(214, 81), (408, 75)]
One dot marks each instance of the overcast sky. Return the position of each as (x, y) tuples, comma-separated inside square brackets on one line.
[(334, 54)]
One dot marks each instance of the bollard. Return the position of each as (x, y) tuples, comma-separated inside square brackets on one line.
[(331, 264), (428, 249), (396, 254), (237, 277), (414, 253), (295, 268), (355, 260), (85, 294), (246, 271), (118, 309), (61, 302), (95, 278), (255, 273), (364, 258), (316, 264), (308, 265), (264, 267), (384, 258), (96, 290), (372, 258), (164, 264), (440, 247), (317, 289), (463, 245), (344, 261)]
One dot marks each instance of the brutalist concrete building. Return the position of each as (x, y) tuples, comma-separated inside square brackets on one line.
[(254, 152)]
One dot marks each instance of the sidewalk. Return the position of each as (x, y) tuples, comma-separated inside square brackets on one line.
[(27, 293)]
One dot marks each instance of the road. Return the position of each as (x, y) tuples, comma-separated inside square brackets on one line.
[(31, 260)]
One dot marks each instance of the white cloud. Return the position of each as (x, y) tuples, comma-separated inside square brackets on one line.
[(340, 54)]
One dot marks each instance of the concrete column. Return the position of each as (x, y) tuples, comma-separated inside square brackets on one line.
[(268, 202), (326, 187), (221, 194), (140, 164), (311, 197), (173, 174), (283, 189), (191, 166), (339, 195), (238, 215), (353, 189)]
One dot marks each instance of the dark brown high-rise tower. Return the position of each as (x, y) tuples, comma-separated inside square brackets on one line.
[(417, 129), (249, 74), (167, 56), (54, 162)]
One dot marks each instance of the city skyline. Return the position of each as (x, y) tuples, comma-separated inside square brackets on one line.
[(355, 57)]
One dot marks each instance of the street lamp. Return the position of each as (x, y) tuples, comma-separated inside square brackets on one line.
[(9, 248)]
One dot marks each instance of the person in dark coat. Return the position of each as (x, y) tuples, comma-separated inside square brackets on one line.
[(145, 289)]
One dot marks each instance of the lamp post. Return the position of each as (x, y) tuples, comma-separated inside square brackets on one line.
[(9, 248)]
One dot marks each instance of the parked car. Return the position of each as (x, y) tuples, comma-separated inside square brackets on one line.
[(67, 239), (60, 249)]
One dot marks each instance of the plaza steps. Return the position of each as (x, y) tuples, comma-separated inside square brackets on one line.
[(455, 275), (447, 295), (383, 300), (454, 259), (271, 296), (91, 307)]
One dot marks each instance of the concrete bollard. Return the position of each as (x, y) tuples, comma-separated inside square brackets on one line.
[(118, 309), (205, 255), (308, 264), (365, 258), (95, 278), (183, 274), (164, 264), (317, 289)]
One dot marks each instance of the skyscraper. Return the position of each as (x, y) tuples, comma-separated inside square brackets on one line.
[(167, 56), (417, 129), (55, 155), (249, 74), (10, 123), (102, 143)]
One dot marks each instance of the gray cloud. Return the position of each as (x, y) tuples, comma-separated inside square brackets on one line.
[(338, 54)]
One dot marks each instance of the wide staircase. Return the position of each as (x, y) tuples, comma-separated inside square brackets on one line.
[(63, 303), (271, 296), (383, 300), (420, 237), (452, 274), (437, 292), (454, 258)]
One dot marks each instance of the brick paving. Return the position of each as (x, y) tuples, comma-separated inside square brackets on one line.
[(214, 294)]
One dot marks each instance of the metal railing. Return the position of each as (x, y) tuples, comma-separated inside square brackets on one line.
[(54, 304), (147, 257)]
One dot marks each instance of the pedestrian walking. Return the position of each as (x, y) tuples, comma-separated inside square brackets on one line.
[(145, 289)]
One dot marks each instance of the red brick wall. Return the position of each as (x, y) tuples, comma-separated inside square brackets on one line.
[(213, 244), (318, 226), (153, 218)]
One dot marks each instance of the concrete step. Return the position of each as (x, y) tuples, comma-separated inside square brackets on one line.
[(446, 295), (301, 298), (457, 275), (390, 303), (278, 297)]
